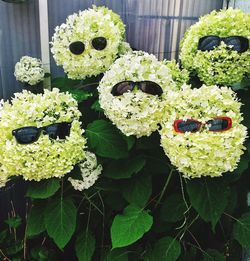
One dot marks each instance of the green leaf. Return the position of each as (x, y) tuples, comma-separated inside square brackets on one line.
[(3, 236), (167, 248), (60, 220), (157, 161), (138, 190), (130, 226), (35, 222), (14, 222), (79, 95), (63, 83), (213, 255), (130, 141), (43, 189), (241, 230), (40, 253), (85, 246), (188, 256), (173, 208), (204, 194), (96, 106), (117, 255), (16, 247), (115, 201), (123, 169), (106, 140)]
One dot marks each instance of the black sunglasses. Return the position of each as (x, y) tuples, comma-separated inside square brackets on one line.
[(236, 43), (78, 47), (145, 86), (30, 134)]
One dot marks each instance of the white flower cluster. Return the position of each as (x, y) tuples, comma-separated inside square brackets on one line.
[(46, 157), (222, 65), (83, 28), (135, 113), (29, 70), (90, 172), (203, 153)]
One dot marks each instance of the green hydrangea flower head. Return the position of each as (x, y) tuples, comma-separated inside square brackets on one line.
[(44, 158), (89, 42), (180, 76), (135, 112), (203, 153), (222, 65)]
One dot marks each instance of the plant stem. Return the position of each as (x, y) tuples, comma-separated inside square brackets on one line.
[(164, 188)]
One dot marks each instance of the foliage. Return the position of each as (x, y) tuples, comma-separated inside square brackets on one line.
[(141, 208)]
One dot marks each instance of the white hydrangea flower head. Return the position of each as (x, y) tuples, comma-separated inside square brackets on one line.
[(135, 113), (90, 172), (29, 70), (44, 158), (83, 28), (221, 65), (203, 153)]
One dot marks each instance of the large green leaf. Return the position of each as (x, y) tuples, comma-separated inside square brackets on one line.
[(106, 140), (123, 169), (117, 255), (85, 246), (35, 223), (173, 208), (241, 230), (130, 226), (43, 189), (60, 220), (213, 255), (166, 248), (209, 197), (138, 190)]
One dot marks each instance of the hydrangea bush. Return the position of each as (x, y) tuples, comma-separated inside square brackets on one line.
[(135, 113), (29, 70), (222, 65), (83, 27), (45, 158), (124, 199), (203, 153)]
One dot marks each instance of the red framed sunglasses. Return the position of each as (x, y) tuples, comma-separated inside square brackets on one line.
[(190, 125)]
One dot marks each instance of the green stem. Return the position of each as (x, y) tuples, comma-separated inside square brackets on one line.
[(164, 188)]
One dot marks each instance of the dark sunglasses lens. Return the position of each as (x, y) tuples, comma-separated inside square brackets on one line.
[(99, 43), (189, 125), (208, 43), (122, 87), (26, 135), (237, 43), (77, 47), (151, 88), (217, 124), (58, 130)]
